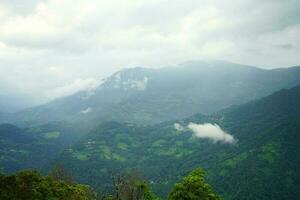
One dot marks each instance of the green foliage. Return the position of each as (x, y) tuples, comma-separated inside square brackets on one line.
[(264, 163), (59, 173), (28, 185), (193, 187), (33, 147), (131, 187), (52, 135), (109, 197), (80, 155)]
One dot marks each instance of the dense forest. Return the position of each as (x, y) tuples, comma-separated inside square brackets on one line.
[(60, 185), (249, 151), (265, 150), (259, 162), (149, 100)]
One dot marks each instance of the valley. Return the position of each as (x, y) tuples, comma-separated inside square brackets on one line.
[(249, 148)]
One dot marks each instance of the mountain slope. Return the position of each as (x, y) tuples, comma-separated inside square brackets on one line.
[(33, 147), (269, 170), (147, 96), (261, 164)]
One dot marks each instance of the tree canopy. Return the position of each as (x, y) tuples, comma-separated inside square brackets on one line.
[(193, 187), (28, 185)]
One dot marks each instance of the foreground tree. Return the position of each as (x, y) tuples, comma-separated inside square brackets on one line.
[(59, 173), (28, 185), (193, 187), (131, 187)]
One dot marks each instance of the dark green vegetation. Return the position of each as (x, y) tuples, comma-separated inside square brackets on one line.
[(193, 187), (130, 186), (263, 164), (147, 96), (33, 147), (29, 185)]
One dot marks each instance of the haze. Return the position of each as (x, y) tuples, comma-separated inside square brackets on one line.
[(52, 48)]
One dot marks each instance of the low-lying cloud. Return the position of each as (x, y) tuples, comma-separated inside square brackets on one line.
[(178, 127), (76, 86), (86, 111), (211, 131), (207, 131)]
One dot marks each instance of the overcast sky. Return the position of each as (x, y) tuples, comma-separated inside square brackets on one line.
[(50, 48)]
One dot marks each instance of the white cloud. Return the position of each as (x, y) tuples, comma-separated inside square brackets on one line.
[(76, 86), (178, 127), (55, 71), (136, 84), (92, 39), (207, 131), (86, 111), (212, 132)]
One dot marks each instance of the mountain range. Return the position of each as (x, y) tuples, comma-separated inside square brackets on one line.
[(259, 161), (240, 123), (149, 96)]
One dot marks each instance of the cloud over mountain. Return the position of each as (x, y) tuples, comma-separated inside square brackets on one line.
[(92, 39), (207, 131), (212, 132)]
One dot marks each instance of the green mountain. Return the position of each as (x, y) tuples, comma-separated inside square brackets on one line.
[(33, 147), (148, 96), (252, 152), (148, 124)]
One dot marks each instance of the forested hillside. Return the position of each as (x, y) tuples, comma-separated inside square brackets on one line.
[(263, 150), (149, 100), (33, 147)]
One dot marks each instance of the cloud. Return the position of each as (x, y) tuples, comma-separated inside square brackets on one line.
[(76, 86), (178, 127), (55, 71), (86, 111), (207, 131), (285, 46), (212, 132), (93, 39)]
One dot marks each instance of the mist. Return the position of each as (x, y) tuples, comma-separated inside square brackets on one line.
[(113, 35)]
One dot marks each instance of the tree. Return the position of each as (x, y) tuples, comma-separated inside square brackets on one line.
[(131, 187), (28, 185), (193, 187), (59, 173)]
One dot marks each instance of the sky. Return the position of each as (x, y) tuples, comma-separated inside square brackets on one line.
[(51, 48)]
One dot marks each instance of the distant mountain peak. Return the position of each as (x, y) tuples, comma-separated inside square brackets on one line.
[(145, 96), (132, 78)]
